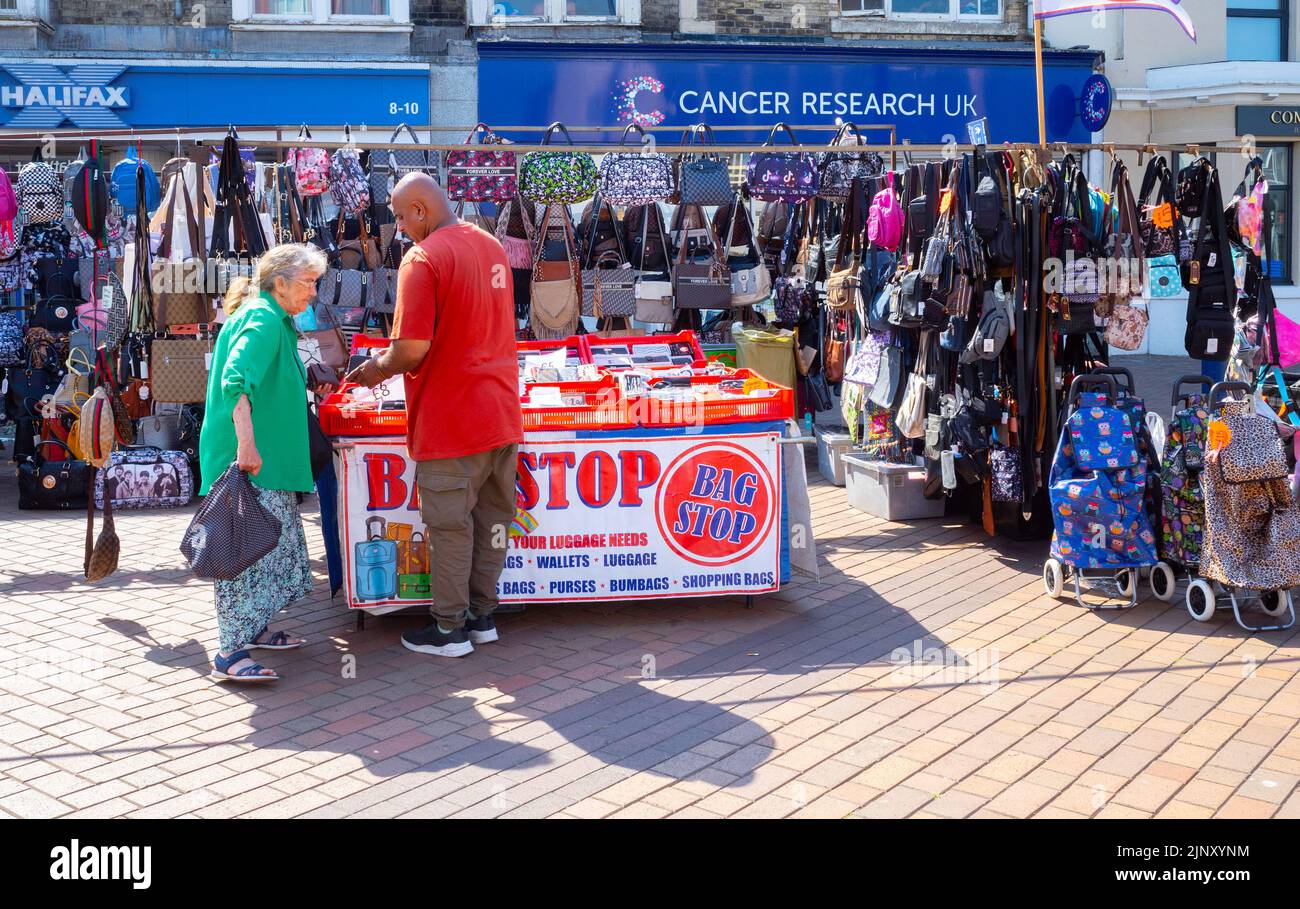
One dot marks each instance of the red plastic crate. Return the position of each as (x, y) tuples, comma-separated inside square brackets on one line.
[(572, 344), (337, 418), (594, 343), (651, 412), (604, 407), (367, 342)]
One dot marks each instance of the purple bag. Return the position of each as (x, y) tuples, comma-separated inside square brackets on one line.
[(782, 176)]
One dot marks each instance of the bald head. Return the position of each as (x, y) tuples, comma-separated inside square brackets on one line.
[(420, 206)]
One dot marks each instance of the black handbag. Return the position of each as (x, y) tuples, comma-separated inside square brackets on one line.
[(57, 276), (320, 450), (53, 485), (30, 383), (231, 531), (55, 313)]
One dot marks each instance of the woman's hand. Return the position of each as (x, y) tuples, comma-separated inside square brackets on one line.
[(247, 457), (325, 389)]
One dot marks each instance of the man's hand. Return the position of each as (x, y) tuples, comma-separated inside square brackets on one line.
[(367, 374)]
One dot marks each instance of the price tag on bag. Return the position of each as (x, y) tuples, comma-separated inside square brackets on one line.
[(106, 298), (207, 361), (1219, 434)]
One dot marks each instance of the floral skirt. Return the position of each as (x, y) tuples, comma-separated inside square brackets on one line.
[(246, 603)]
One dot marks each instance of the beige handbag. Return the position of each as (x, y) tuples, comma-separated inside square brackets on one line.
[(556, 287), (1127, 327), (844, 285), (911, 413), (179, 285)]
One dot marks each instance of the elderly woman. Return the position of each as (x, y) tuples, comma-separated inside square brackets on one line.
[(256, 416)]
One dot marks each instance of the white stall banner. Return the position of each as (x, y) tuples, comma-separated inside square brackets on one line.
[(615, 518)]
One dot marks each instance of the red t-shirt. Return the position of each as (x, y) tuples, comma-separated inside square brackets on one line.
[(454, 289)]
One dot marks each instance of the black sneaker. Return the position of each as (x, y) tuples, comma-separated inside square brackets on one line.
[(433, 640), (482, 631)]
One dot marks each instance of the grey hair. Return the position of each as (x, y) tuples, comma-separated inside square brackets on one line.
[(288, 260)]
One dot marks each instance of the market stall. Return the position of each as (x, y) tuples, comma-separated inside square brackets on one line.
[(654, 476)]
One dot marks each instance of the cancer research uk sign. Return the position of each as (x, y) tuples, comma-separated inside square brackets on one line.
[(616, 519), (928, 95)]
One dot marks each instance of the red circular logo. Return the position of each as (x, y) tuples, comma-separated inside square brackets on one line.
[(715, 504)]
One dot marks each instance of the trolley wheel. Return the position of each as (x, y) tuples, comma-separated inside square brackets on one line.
[(1275, 603), (1127, 579), (1200, 600), (1163, 581), (1053, 578)]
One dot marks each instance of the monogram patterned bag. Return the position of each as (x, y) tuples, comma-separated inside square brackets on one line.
[(840, 169)]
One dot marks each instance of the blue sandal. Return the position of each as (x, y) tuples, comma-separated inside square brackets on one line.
[(279, 641), (251, 673)]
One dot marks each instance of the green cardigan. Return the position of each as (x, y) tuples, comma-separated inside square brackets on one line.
[(256, 354)]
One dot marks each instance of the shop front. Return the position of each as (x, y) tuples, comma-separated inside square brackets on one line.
[(926, 96)]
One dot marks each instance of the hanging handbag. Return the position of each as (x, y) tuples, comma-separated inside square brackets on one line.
[(636, 178), (751, 282), (347, 178), (654, 289), (840, 169), (179, 369), (1254, 451), (835, 342), (1156, 223), (888, 377), (782, 176), (911, 412), (177, 285), (311, 167), (1004, 470), (1127, 327), (1210, 282), (556, 285), (144, 477), (403, 161), (557, 178), (45, 484), (844, 285), (1163, 277), (482, 174), (696, 284), (705, 179)]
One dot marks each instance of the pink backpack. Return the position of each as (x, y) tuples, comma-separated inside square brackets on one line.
[(8, 199), (885, 219)]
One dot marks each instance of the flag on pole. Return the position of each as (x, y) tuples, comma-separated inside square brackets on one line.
[(1046, 9)]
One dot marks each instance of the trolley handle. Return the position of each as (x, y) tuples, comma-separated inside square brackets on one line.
[(1116, 371), (1224, 388), (1093, 378), (1188, 380)]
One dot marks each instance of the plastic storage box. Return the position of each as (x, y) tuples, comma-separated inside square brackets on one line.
[(831, 447), (890, 491)]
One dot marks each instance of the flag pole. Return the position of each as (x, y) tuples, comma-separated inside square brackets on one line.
[(1038, 75)]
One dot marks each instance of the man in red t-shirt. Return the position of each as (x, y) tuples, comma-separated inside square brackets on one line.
[(454, 338)]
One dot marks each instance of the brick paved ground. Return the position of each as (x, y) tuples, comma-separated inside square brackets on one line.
[(792, 708)]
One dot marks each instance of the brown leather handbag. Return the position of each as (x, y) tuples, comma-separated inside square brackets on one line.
[(333, 348)]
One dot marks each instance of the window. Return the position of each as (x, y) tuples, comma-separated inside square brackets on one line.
[(554, 12), (25, 9), (321, 11), (1257, 29), (360, 8), (283, 7), (928, 9)]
